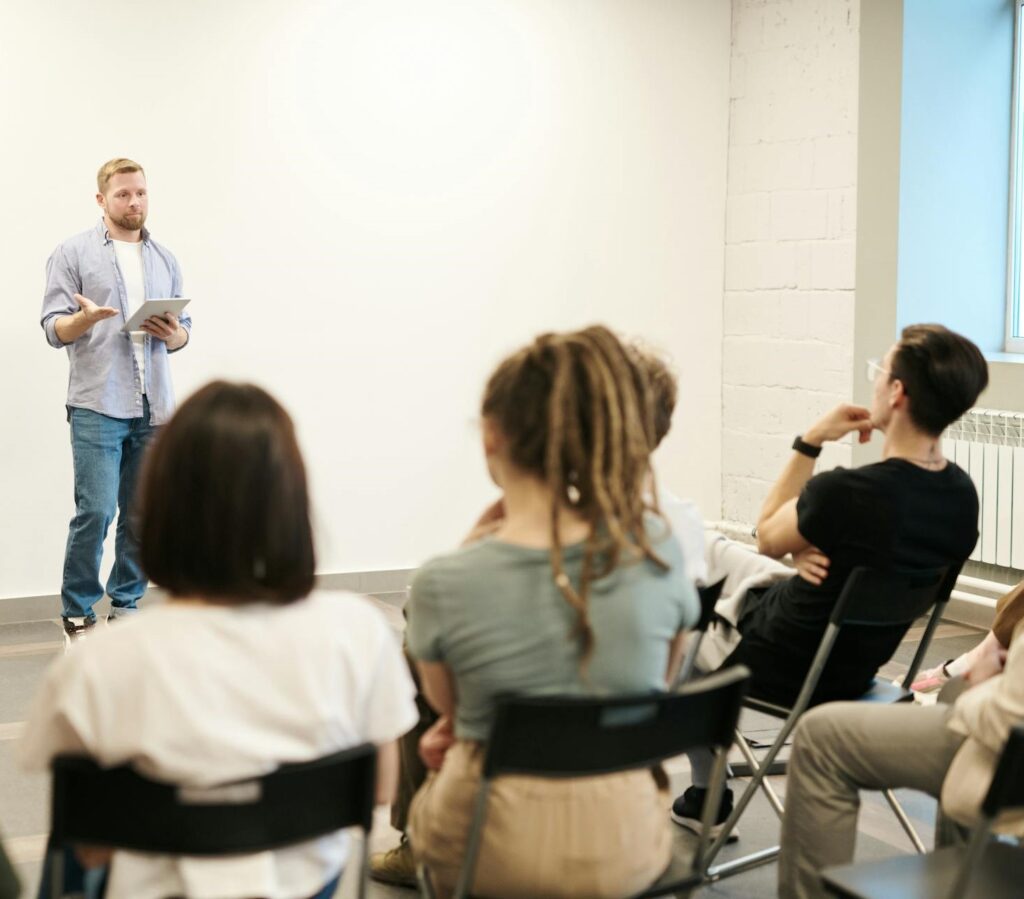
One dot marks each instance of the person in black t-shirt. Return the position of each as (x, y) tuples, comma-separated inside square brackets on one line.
[(914, 509)]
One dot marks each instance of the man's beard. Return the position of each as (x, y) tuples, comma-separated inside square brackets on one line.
[(130, 222)]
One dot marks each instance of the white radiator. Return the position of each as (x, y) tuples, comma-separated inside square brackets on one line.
[(989, 445)]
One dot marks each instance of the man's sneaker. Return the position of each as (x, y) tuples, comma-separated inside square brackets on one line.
[(76, 629), (394, 866), (688, 809)]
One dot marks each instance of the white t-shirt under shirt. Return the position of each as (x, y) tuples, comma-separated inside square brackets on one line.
[(688, 527), (201, 695), (129, 260)]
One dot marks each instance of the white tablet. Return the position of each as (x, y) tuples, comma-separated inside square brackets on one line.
[(173, 305)]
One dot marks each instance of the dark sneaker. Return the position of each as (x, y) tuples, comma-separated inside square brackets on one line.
[(688, 809), (394, 866), (76, 629)]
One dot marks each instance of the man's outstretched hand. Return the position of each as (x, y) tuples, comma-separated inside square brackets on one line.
[(69, 328), (92, 312)]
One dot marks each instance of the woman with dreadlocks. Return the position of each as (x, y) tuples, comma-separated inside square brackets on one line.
[(581, 589)]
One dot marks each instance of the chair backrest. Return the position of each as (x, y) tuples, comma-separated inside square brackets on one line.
[(559, 736), (876, 608), (874, 597), (1007, 788), (118, 807)]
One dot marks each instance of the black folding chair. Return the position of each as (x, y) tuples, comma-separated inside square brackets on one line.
[(564, 737), (870, 598), (708, 597), (119, 808), (983, 869)]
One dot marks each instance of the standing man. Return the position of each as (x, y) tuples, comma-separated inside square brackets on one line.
[(119, 389)]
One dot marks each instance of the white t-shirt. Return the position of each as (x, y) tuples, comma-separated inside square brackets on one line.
[(129, 260), (200, 695), (688, 528)]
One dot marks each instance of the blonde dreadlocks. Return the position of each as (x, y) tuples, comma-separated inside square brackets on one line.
[(577, 411)]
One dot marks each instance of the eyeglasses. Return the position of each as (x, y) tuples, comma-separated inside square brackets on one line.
[(873, 369)]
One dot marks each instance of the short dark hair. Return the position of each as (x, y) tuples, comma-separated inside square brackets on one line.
[(224, 506), (942, 373)]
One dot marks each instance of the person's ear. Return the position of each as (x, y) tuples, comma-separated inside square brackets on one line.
[(101, 202), (493, 439), (897, 394)]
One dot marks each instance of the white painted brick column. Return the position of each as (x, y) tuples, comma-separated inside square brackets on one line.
[(790, 233)]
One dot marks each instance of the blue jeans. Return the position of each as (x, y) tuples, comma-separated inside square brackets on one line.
[(107, 453)]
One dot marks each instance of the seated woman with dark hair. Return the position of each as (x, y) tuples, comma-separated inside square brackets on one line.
[(243, 668), (581, 589)]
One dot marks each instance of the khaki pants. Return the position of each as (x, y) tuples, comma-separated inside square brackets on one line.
[(842, 748), (593, 837), (411, 771)]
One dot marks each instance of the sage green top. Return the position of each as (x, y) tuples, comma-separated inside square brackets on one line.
[(492, 613)]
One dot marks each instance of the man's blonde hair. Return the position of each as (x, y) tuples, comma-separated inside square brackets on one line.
[(115, 167)]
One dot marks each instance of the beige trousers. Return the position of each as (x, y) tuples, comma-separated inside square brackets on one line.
[(592, 837), (840, 749)]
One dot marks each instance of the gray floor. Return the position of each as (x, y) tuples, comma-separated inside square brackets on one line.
[(27, 649)]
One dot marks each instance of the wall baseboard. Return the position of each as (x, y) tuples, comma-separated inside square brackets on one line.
[(388, 584)]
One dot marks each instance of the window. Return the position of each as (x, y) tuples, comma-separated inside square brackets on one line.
[(1015, 288)]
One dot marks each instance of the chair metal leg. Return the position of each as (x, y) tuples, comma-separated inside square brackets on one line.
[(56, 863), (742, 769), (476, 832), (712, 802), (426, 885), (901, 816), (754, 859), (752, 787), (364, 866), (761, 772), (739, 865), (924, 643)]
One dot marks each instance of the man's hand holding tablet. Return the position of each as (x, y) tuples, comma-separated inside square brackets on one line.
[(162, 327), (159, 319)]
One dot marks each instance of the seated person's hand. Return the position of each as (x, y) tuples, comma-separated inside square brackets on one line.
[(842, 420), (812, 565), (988, 664), (436, 742), (489, 521)]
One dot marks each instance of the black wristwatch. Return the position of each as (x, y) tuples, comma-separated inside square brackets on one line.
[(806, 449)]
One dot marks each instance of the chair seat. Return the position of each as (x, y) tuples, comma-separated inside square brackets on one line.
[(885, 692), (767, 708), (998, 875), (882, 692)]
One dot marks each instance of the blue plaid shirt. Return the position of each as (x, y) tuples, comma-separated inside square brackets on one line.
[(104, 374)]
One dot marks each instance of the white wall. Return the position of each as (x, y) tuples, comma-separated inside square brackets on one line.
[(372, 201), (790, 235)]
